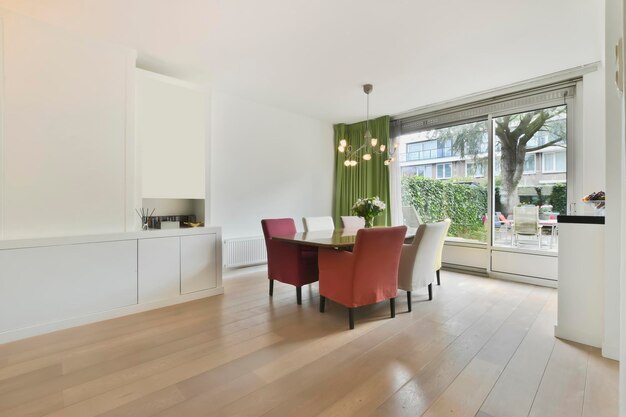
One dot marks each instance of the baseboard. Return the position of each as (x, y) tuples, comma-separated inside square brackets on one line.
[(23, 333), (577, 338), (472, 270), (541, 282), (235, 272), (610, 351)]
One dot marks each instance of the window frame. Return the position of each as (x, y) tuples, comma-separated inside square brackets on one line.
[(443, 164), (554, 170), (534, 171)]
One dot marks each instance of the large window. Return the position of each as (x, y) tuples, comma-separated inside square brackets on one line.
[(492, 169), (530, 164), (554, 162), (444, 171), (429, 149), (418, 170), (475, 169), (419, 151), (448, 193)]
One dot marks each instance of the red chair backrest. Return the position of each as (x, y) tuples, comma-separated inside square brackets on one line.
[(283, 259), (377, 257), (278, 227)]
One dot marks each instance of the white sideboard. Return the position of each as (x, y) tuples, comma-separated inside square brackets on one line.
[(56, 283)]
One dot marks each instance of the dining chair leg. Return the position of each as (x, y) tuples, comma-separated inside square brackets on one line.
[(392, 306), (299, 295), (430, 291), (351, 317), (438, 277), (322, 303), (408, 300), (271, 287)]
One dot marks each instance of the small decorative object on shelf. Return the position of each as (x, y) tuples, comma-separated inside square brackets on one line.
[(597, 200), (368, 208), (145, 215)]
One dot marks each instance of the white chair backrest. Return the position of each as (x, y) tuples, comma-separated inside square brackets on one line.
[(313, 224), (439, 257), (411, 217), (526, 220), (353, 222), (417, 263)]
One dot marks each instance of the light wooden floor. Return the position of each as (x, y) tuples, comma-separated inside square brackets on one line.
[(482, 347)]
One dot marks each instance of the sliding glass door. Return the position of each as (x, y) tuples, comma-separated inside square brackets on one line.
[(529, 178)]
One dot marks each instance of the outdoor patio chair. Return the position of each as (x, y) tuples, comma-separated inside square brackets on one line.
[(526, 223)]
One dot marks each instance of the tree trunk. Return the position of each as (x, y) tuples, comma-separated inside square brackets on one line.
[(512, 169)]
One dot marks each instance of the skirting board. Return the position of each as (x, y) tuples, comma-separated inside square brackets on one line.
[(541, 282), (584, 339), (13, 335)]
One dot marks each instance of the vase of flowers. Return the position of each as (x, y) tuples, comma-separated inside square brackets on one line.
[(368, 208)]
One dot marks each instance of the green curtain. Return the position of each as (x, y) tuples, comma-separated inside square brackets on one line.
[(368, 178)]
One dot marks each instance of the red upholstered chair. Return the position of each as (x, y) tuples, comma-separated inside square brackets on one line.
[(367, 275), (287, 262)]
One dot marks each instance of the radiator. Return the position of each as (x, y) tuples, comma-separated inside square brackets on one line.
[(244, 251)]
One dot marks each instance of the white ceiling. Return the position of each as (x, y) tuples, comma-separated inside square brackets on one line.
[(311, 56)]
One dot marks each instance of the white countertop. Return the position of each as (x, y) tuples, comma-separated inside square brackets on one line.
[(109, 237)]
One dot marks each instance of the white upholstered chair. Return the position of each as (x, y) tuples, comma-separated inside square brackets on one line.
[(411, 217), (438, 259), (353, 222), (418, 260), (314, 224)]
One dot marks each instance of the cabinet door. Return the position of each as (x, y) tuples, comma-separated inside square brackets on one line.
[(49, 284), (159, 269), (198, 269)]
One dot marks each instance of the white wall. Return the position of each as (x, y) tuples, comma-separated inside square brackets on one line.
[(267, 163), (614, 178), (65, 166), (172, 136)]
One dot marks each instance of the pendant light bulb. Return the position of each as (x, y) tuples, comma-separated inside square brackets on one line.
[(374, 142), (353, 163), (367, 157), (341, 149), (382, 148), (347, 163), (343, 143)]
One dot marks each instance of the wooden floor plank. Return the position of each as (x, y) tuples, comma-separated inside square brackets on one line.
[(416, 396), (467, 392), (516, 388), (313, 388), (562, 389), (246, 354), (601, 397)]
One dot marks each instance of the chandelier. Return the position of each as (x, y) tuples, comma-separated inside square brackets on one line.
[(370, 145)]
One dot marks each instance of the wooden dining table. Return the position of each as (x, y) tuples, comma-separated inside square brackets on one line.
[(343, 239)]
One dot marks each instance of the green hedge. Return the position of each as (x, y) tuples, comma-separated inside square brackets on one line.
[(558, 198), (435, 200)]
